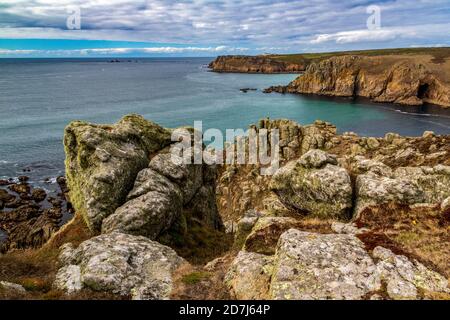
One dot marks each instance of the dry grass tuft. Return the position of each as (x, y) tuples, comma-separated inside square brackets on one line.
[(419, 232)]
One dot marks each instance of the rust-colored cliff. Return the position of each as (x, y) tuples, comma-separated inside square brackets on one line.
[(408, 79)]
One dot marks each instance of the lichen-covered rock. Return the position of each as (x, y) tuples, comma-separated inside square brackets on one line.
[(406, 185), (162, 193), (153, 205), (323, 192), (433, 181), (347, 228), (309, 266), (315, 266), (189, 177), (317, 159), (372, 143), (312, 139), (404, 277), (102, 162), (372, 190), (9, 286), (445, 205), (249, 276), (122, 264), (244, 227), (361, 165)]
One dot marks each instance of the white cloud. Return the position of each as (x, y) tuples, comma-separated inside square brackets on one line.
[(383, 34), (115, 51), (250, 23)]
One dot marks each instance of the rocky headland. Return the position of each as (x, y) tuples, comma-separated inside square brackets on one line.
[(344, 217), (407, 80), (403, 76), (254, 64)]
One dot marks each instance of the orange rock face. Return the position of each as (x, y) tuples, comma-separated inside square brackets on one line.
[(402, 80)]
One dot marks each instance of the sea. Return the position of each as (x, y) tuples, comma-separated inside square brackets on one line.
[(39, 97)]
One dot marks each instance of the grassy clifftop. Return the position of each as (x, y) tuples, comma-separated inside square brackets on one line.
[(439, 54)]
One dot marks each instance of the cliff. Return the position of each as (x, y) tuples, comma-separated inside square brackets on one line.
[(254, 64), (402, 79)]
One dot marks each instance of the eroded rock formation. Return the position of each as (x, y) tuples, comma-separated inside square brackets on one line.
[(314, 184), (404, 80)]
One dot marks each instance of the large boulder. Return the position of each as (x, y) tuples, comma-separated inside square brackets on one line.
[(153, 205), (315, 185), (314, 266), (372, 190), (189, 177), (404, 277), (102, 162), (405, 185), (118, 263), (433, 181), (309, 266), (249, 276), (164, 192)]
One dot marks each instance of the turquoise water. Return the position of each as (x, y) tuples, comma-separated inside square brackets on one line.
[(38, 98)]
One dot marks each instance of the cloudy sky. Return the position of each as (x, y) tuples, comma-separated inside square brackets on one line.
[(48, 28)]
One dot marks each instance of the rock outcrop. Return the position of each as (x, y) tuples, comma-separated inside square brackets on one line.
[(130, 266), (253, 64), (122, 178), (393, 79), (132, 189), (406, 185), (242, 188), (329, 266), (162, 193), (102, 163), (315, 185)]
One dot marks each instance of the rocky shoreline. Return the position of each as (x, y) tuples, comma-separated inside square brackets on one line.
[(28, 215), (344, 217)]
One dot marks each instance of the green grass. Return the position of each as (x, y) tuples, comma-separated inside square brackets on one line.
[(439, 54), (195, 277)]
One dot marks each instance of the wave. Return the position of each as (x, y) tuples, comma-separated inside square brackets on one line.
[(436, 115), (415, 113)]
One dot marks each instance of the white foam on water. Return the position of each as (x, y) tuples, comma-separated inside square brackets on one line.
[(415, 113)]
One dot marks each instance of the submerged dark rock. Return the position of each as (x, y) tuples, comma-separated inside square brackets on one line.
[(245, 90), (28, 218)]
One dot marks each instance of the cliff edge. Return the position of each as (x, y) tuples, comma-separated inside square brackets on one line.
[(402, 79)]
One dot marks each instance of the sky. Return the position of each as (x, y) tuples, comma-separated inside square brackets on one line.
[(141, 28)]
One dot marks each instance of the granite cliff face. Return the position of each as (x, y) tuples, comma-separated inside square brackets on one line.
[(253, 64), (394, 79)]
